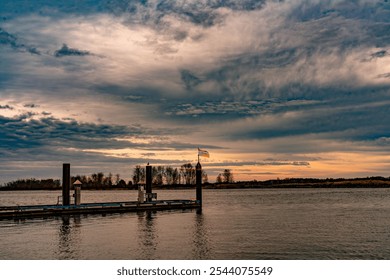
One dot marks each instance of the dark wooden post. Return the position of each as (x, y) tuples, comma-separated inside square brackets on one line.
[(199, 183), (66, 184), (148, 183)]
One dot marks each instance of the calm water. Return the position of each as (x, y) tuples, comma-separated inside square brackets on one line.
[(234, 224)]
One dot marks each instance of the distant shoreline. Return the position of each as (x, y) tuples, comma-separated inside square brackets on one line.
[(293, 183)]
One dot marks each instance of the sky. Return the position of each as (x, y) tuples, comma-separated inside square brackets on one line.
[(271, 89)]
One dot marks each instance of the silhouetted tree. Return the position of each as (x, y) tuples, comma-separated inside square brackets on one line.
[(205, 178), (138, 175), (100, 177), (117, 179), (188, 173), (94, 178), (158, 175), (175, 177), (121, 183), (219, 179), (107, 181), (169, 175), (33, 184), (227, 176)]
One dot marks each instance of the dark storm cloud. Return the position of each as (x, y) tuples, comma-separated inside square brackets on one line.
[(202, 17), (360, 119), (6, 38), (10, 9), (234, 76), (345, 24), (24, 132), (198, 12), (12, 41), (201, 13), (66, 51), (12, 134), (367, 10)]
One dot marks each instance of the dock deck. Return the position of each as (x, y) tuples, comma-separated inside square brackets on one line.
[(38, 211)]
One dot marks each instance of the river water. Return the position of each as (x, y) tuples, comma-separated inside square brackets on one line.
[(291, 224)]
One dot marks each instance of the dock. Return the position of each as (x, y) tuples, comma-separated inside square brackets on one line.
[(42, 211), (147, 201)]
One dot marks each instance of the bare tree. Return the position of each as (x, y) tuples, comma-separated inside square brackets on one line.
[(219, 179), (138, 175), (158, 175), (188, 173), (205, 178), (107, 181), (175, 177), (100, 177), (227, 176), (169, 175), (94, 178)]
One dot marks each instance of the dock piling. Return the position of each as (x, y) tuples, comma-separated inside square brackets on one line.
[(148, 183), (199, 183), (66, 184)]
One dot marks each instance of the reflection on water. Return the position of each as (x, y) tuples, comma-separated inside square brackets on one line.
[(64, 244), (151, 244), (142, 235), (147, 236), (69, 235), (234, 224), (200, 243)]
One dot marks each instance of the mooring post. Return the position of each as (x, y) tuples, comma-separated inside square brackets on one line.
[(66, 184), (199, 183), (148, 183), (77, 192)]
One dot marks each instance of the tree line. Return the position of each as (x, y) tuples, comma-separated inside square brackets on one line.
[(225, 177), (161, 175), (94, 181), (99, 180), (32, 184), (167, 175)]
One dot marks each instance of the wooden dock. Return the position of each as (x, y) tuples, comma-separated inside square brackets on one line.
[(145, 201), (41, 211)]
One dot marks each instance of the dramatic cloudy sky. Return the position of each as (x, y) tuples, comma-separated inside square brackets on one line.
[(294, 88)]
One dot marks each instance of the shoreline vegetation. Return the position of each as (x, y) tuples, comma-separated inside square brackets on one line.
[(51, 184)]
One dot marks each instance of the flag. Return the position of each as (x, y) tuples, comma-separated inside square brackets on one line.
[(203, 153)]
